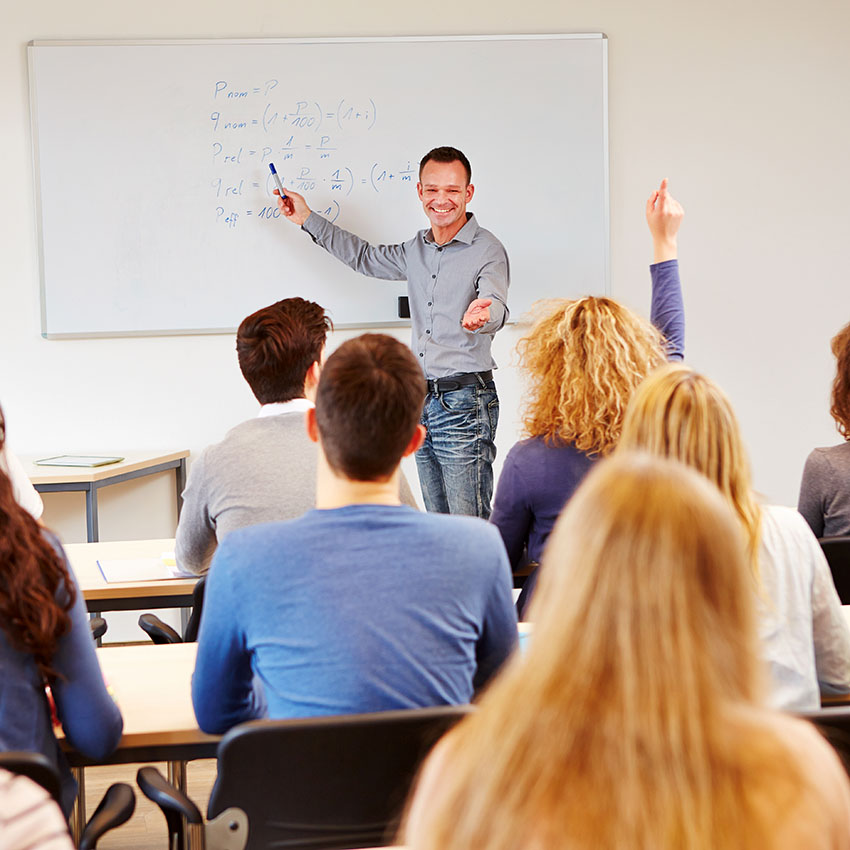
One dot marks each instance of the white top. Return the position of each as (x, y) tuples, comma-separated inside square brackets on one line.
[(25, 494), (295, 405), (804, 634), (29, 818)]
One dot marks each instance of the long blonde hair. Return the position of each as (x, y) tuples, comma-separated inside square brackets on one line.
[(625, 724), (681, 414), (584, 359)]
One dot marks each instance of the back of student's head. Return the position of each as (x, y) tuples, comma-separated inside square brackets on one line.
[(681, 414), (617, 728), (840, 407), (368, 405), (31, 576), (278, 344), (583, 360)]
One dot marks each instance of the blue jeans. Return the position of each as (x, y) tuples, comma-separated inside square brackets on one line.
[(455, 462)]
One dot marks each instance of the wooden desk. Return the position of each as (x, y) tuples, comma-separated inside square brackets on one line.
[(100, 595), (151, 684), (61, 479)]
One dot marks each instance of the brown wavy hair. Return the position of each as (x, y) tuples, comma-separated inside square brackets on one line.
[(31, 576), (584, 359), (840, 410)]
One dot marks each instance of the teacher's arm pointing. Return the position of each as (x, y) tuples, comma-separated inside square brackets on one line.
[(293, 206)]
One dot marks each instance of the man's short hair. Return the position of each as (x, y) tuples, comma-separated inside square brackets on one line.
[(446, 154), (368, 405), (278, 344)]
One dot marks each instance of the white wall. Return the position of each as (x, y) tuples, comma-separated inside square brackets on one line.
[(742, 105)]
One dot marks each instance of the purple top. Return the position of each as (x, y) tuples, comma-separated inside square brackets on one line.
[(537, 479)]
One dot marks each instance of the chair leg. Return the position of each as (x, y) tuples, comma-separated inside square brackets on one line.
[(78, 814)]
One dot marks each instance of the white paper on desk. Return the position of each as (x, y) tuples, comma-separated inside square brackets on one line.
[(135, 569)]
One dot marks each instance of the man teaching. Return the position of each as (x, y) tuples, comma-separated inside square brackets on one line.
[(457, 278)]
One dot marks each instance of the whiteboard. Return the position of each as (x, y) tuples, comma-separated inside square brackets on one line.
[(154, 197)]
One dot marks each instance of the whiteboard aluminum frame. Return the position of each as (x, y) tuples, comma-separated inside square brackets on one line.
[(188, 42)]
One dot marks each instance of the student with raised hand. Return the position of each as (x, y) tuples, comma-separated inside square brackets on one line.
[(362, 604), (265, 468), (825, 489), (583, 359), (634, 719), (805, 640), (45, 639)]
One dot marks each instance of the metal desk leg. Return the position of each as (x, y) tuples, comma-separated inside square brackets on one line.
[(180, 475), (91, 513), (78, 814), (177, 774)]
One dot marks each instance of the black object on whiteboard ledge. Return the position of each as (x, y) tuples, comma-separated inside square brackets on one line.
[(403, 307)]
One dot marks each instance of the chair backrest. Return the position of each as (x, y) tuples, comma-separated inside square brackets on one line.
[(35, 766), (837, 551), (191, 633), (326, 782), (834, 724)]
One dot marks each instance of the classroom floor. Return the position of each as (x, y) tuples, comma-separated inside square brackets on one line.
[(146, 829)]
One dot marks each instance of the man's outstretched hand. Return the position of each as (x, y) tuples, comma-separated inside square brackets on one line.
[(293, 206), (477, 314)]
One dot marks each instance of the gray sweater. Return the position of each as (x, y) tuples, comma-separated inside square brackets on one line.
[(825, 491), (262, 471)]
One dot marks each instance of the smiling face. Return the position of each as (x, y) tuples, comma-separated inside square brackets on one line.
[(444, 193)]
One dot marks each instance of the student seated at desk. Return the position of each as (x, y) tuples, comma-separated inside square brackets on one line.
[(825, 489), (635, 719), (363, 604), (264, 469), (584, 359), (805, 641), (45, 639)]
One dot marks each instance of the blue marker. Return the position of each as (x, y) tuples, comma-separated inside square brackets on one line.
[(277, 180)]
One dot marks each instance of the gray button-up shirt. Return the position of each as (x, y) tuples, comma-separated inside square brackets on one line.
[(442, 280)]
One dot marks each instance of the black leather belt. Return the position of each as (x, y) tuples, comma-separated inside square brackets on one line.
[(455, 382)]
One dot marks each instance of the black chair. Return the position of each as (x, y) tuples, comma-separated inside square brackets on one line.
[(324, 783), (160, 632), (834, 724), (837, 551), (98, 628), (116, 807)]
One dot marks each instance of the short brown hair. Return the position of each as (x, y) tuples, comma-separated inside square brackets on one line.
[(446, 154), (278, 344), (368, 404), (840, 409)]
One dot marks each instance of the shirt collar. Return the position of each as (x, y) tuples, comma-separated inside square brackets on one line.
[(295, 405), (466, 234)]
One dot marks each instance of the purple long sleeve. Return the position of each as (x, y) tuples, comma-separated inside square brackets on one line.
[(668, 309)]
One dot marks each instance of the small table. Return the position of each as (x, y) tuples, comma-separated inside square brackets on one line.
[(101, 595), (61, 479), (152, 685)]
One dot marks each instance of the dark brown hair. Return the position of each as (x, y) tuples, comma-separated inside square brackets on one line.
[(840, 410), (368, 404), (446, 154), (278, 344), (31, 576)]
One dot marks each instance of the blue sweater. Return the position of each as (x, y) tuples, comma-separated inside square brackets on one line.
[(537, 479), (358, 609), (90, 718)]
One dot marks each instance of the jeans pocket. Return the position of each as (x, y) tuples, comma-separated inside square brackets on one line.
[(463, 400)]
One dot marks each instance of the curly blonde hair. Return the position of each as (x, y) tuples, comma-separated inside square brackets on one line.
[(584, 359)]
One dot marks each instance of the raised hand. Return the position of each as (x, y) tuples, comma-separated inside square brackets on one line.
[(664, 215)]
